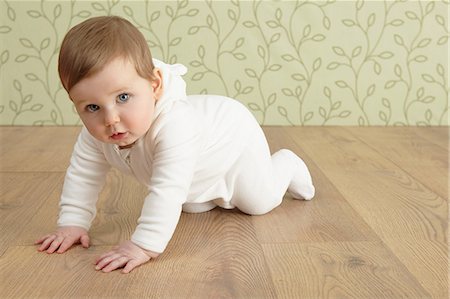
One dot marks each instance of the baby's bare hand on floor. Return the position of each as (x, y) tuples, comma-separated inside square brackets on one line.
[(127, 255), (63, 239)]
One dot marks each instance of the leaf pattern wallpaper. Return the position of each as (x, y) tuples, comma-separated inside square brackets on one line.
[(361, 63)]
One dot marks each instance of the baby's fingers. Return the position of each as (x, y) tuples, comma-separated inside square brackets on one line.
[(130, 266), (66, 244), (46, 242), (55, 244)]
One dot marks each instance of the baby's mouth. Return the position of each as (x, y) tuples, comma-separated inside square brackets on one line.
[(118, 136)]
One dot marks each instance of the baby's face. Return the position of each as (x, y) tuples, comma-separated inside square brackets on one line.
[(117, 105)]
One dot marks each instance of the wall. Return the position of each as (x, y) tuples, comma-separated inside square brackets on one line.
[(291, 62)]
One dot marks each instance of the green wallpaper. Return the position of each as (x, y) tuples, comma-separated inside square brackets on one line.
[(291, 62)]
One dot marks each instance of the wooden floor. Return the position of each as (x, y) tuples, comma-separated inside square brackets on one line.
[(377, 227)]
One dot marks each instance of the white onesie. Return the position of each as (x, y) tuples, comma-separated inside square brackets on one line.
[(200, 152)]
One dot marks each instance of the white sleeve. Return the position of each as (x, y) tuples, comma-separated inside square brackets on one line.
[(84, 179), (176, 148)]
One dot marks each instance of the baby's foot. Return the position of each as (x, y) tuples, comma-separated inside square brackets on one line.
[(301, 186)]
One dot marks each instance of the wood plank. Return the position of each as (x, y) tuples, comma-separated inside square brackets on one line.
[(424, 160), (394, 204), (437, 135), (21, 195), (39, 149), (339, 270)]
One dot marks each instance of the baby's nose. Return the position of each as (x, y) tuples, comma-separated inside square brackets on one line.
[(111, 118)]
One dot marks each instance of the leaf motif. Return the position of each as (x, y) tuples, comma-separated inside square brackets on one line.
[(251, 73), (254, 107), (22, 58), (5, 29), (193, 12), (232, 15), (420, 92), (371, 20), (428, 115), (359, 4), (442, 40), (349, 22), (287, 92), (97, 6), (193, 30), (17, 85), (31, 77), (34, 14), (197, 76), (182, 4), (429, 8), (440, 20), (27, 99), (239, 56), (420, 58), (282, 111), (249, 24), (275, 38), (398, 40), (424, 42), (195, 63), (45, 43), (440, 69), (11, 14), (175, 41), (84, 14), (261, 52), (272, 24), (237, 86), (272, 99), (428, 78), (326, 22), (386, 55), (37, 107), (339, 51), (322, 112), (382, 116), (13, 106), (298, 91), (54, 116), (57, 11), (274, 67), (287, 57), (201, 51), (4, 57), (155, 16), (169, 11), (398, 70), (396, 22), (307, 31), (336, 105), (341, 84), (308, 116), (318, 37), (411, 15), (298, 77), (128, 11), (278, 14), (356, 52), (386, 103), (428, 99), (239, 42), (376, 67), (26, 43), (247, 90), (390, 84), (317, 64), (344, 114), (327, 91), (361, 121), (371, 90), (333, 66)]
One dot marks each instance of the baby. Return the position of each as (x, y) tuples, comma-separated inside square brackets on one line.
[(193, 153)]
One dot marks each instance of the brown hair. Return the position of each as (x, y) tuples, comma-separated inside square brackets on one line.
[(90, 45)]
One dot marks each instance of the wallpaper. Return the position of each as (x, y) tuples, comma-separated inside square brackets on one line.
[(362, 63)]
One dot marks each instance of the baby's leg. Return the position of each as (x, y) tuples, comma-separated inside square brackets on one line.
[(262, 179)]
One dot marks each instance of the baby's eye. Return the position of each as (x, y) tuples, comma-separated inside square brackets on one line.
[(123, 97), (92, 107)]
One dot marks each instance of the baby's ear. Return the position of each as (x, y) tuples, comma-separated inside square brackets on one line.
[(157, 83)]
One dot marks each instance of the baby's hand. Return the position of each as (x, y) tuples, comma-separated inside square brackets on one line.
[(127, 255), (63, 239)]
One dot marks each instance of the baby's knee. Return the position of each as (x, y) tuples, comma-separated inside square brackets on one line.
[(258, 206)]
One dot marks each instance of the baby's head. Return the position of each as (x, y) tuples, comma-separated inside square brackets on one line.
[(90, 45)]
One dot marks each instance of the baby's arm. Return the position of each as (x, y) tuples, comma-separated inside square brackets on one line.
[(175, 151), (84, 179)]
